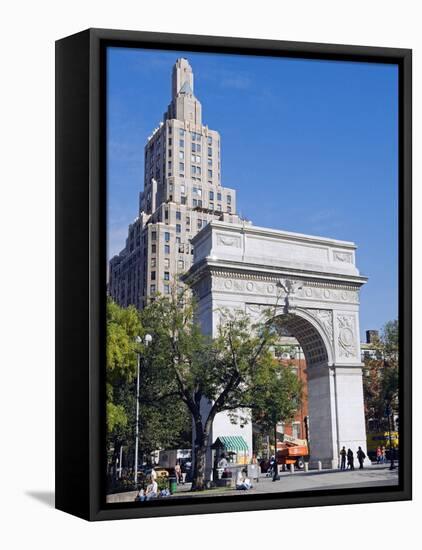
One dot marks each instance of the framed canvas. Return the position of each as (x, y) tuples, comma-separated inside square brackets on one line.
[(233, 277)]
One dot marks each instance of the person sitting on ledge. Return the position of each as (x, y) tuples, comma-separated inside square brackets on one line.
[(243, 483), (151, 492)]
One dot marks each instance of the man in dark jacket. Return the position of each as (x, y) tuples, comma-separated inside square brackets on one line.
[(343, 454), (350, 459), (361, 457)]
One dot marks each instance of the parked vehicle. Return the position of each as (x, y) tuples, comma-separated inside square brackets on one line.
[(293, 451)]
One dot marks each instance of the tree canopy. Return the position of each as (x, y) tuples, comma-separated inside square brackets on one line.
[(381, 376), (234, 371)]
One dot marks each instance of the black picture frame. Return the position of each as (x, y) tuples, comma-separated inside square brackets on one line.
[(81, 275)]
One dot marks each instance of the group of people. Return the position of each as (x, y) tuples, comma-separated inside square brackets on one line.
[(360, 455)]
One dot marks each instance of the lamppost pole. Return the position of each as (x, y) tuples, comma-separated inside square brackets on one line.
[(138, 340)]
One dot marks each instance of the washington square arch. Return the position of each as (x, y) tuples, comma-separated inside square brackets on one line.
[(313, 284)]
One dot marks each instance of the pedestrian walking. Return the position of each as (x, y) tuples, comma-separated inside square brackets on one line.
[(379, 455), (350, 459), (183, 472), (178, 472), (343, 454), (361, 457)]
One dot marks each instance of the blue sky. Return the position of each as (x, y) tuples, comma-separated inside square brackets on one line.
[(310, 146)]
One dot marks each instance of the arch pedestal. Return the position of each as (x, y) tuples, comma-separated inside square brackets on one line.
[(313, 284)]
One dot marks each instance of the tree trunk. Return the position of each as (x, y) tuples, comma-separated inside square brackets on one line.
[(200, 449), (198, 481)]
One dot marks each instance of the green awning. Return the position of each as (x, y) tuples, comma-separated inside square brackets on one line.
[(234, 443)]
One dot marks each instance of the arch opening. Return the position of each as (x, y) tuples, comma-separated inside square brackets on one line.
[(307, 335)]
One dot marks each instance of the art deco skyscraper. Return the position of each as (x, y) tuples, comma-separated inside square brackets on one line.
[(182, 193)]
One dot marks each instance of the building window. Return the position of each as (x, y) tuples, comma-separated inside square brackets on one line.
[(210, 151), (229, 209), (181, 155), (166, 276), (153, 262), (211, 206), (166, 262), (169, 164), (296, 430), (178, 215), (154, 235), (219, 196), (187, 220), (178, 228), (181, 132), (152, 289), (167, 236), (199, 224), (181, 166), (180, 264), (178, 240), (167, 249), (229, 199), (209, 140), (210, 173), (182, 188), (181, 143), (194, 202), (166, 289), (211, 195), (183, 200), (153, 248), (209, 162), (219, 207), (170, 142), (153, 275)]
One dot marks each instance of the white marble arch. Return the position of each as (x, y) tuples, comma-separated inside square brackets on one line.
[(312, 284)]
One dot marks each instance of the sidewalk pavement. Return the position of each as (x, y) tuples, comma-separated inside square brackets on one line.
[(314, 480)]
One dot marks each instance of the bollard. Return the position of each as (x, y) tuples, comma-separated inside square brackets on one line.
[(292, 468), (319, 465), (306, 466)]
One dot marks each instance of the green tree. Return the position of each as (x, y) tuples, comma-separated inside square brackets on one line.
[(221, 373), (164, 423), (123, 325), (381, 377), (277, 396)]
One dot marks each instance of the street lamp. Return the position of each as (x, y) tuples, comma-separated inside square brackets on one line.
[(147, 341)]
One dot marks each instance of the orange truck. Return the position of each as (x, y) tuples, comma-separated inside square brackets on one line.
[(292, 451)]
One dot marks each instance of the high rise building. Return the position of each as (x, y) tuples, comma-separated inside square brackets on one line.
[(182, 193)]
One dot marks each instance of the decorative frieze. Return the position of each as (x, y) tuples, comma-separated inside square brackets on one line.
[(285, 287)]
